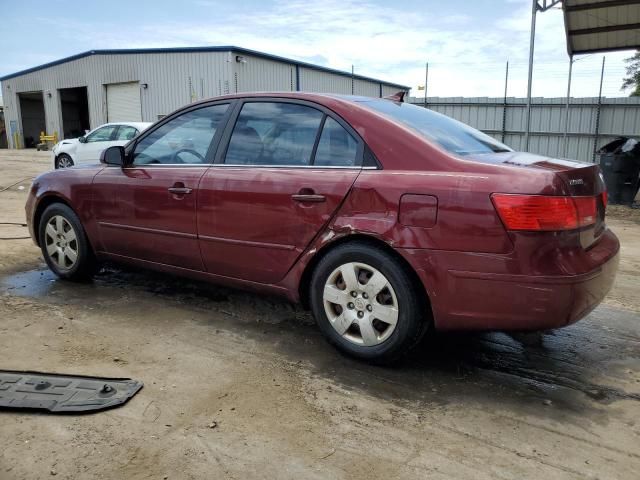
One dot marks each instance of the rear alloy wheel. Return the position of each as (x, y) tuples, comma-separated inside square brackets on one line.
[(64, 244), (367, 304), (64, 161), (360, 304)]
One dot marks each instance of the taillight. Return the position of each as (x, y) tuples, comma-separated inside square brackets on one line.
[(604, 199), (587, 210), (544, 213)]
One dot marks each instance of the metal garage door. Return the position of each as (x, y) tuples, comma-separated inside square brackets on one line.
[(123, 102)]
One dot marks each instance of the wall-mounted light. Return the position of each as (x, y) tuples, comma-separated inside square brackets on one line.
[(144, 85), (240, 59), (48, 94)]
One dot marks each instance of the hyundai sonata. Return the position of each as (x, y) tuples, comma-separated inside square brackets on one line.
[(384, 218)]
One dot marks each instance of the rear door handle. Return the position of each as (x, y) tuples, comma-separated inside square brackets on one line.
[(180, 190)]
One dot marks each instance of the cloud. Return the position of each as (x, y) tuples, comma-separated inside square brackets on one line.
[(466, 52)]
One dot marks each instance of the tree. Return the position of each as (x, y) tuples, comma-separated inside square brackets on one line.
[(632, 80)]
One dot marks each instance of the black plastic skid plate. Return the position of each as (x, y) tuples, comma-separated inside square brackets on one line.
[(63, 393)]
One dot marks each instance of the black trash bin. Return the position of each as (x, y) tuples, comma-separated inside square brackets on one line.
[(620, 165)]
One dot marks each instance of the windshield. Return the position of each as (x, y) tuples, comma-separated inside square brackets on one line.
[(453, 136)]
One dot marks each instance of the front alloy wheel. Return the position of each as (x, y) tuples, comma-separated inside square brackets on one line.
[(61, 242), (64, 161), (64, 243)]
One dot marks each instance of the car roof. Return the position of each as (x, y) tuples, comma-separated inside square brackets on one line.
[(317, 97), (137, 125)]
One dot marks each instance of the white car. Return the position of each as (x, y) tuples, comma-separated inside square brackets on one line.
[(87, 149)]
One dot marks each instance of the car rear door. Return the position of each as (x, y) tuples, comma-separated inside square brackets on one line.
[(282, 170), (124, 135), (147, 210)]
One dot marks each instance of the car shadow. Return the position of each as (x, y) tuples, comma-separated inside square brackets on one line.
[(573, 369)]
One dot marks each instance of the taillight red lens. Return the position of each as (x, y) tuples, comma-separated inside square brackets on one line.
[(604, 199), (544, 213), (587, 210)]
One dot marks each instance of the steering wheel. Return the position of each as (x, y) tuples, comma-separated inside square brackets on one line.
[(176, 155)]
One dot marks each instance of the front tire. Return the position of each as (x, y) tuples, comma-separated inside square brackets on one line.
[(367, 304), (64, 243), (64, 161)]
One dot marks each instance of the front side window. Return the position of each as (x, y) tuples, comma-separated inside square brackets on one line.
[(273, 133), (450, 134), (337, 148), (126, 133), (102, 134), (182, 140)]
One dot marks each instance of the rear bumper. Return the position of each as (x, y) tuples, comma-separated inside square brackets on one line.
[(492, 300)]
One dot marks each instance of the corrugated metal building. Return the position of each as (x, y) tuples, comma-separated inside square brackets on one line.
[(84, 91)]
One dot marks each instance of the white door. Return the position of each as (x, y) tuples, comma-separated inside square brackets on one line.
[(123, 102)]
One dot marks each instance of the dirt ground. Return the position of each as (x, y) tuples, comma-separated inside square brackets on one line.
[(560, 405)]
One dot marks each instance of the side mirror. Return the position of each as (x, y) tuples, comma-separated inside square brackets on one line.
[(113, 156), (82, 139)]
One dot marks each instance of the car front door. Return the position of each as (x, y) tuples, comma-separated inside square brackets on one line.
[(94, 143), (147, 209), (284, 170)]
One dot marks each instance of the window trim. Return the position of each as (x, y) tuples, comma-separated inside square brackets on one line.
[(213, 145), (217, 149), (223, 146)]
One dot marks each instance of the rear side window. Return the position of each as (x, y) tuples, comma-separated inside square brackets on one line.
[(126, 133), (337, 148), (274, 133)]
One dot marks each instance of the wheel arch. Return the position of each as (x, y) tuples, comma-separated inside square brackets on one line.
[(305, 278), (42, 206)]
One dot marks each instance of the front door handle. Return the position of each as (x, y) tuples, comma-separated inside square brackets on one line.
[(308, 195)]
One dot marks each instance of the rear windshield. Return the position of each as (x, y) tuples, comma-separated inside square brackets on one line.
[(454, 136)]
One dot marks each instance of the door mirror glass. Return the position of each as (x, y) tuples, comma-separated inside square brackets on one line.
[(113, 156)]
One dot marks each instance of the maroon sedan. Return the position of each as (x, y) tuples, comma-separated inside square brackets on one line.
[(386, 219)]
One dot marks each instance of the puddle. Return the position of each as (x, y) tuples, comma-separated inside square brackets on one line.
[(116, 284), (596, 360)]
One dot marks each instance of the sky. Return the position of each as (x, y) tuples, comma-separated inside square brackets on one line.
[(466, 43)]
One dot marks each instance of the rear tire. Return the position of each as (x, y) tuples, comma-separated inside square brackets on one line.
[(64, 243), (64, 161), (366, 303)]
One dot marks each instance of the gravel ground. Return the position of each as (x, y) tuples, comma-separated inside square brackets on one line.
[(563, 404)]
